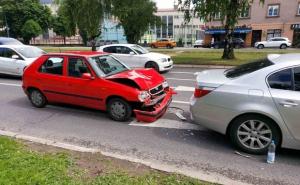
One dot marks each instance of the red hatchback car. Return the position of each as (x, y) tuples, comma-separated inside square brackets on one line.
[(97, 80)]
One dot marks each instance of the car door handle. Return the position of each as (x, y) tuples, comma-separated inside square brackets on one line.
[(288, 104)]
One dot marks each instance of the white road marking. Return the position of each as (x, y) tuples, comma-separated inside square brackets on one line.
[(9, 84), (182, 79), (185, 88), (177, 72), (167, 123), (181, 102)]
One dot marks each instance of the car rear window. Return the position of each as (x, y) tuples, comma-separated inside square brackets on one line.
[(248, 68)]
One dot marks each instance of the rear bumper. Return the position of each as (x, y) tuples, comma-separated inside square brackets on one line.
[(159, 109)]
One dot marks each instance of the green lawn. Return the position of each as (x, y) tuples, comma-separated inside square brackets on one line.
[(28, 165), (201, 56)]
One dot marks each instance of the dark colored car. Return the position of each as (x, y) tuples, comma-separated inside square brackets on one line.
[(9, 41), (237, 43)]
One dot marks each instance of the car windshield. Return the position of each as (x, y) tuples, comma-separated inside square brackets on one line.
[(139, 49), (30, 52), (248, 68), (106, 65)]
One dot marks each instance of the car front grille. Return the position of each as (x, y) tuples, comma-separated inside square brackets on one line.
[(156, 90)]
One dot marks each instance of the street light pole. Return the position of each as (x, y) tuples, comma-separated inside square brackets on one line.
[(6, 25)]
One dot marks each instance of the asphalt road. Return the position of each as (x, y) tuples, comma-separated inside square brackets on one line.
[(168, 141)]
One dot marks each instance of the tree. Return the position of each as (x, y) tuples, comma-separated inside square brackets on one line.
[(18, 12), (62, 25), (30, 29), (229, 11), (135, 16), (87, 16)]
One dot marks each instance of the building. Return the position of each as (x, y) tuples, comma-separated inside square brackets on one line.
[(174, 26), (263, 21)]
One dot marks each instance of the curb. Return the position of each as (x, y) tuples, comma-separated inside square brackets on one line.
[(203, 66), (201, 175)]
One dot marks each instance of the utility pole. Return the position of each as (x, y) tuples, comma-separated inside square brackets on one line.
[(6, 25)]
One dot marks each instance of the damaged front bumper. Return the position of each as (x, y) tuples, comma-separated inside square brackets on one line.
[(159, 109)]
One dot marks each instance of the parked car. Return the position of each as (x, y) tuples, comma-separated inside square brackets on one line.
[(198, 43), (276, 42), (253, 104), (237, 43), (163, 43), (15, 58), (9, 41), (136, 56), (99, 81)]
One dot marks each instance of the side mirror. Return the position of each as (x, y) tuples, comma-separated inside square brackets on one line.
[(15, 57), (87, 76), (132, 53)]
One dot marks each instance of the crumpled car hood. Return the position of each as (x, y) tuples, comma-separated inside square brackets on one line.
[(144, 78)]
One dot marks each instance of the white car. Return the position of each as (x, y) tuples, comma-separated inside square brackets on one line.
[(15, 58), (136, 56), (276, 42), (199, 43)]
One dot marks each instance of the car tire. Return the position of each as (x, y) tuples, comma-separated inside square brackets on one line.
[(237, 46), (119, 110), (37, 98), (254, 139), (260, 46), (283, 46), (216, 46), (152, 65), (169, 47), (152, 46)]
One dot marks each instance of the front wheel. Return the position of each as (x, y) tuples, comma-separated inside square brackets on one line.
[(37, 98), (119, 110), (260, 46), (254, 133), (283, 46), (152, 65)]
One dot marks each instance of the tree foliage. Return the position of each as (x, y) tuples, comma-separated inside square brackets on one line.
[(18, 12), (86, 15), (229, 11), (30, 29), (135, 16)]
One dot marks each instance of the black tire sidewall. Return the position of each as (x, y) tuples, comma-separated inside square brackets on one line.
[(127, 107), (44, 100), (155, 66), (234, 138), (283, 46)]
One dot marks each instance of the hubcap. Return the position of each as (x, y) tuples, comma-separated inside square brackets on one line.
[(254, 134), (118, 110), (36, 98)]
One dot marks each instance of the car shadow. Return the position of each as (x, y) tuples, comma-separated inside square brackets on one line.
[(10, 77)]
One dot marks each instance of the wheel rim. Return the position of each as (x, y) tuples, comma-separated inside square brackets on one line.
[(254, 134), (36, 98), (118, 110)]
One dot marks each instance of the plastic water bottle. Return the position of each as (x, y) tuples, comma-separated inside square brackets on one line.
[(271, 153)]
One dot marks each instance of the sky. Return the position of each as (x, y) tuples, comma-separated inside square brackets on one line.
[(164, 3)]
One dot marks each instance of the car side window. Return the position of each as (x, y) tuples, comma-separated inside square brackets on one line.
[(7, 53), (297, 78), (111, 49), (281, 80), (53, 65), (77, 67), (123, 50)]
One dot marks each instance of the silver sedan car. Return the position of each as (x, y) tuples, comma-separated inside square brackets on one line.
[(253, 104)]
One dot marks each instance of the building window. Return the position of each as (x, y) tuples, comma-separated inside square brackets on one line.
[(273, 33), (217, 16), (164, 26), (273, 10), (170, 26), (245, 13), (298, 12)]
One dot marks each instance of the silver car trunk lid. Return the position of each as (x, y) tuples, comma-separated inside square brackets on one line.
[(212, 78)]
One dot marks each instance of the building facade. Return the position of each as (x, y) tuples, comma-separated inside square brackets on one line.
[(174, 26), (263, 21)]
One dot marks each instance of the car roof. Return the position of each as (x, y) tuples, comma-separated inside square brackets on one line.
[(285, 59), (15, 46), (128, 45), (9, 39), (78, 53)]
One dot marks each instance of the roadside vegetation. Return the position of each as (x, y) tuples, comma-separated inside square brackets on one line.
[(28, 163), (200, 57)]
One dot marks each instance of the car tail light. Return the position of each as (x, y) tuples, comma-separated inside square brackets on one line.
[(200, 92)]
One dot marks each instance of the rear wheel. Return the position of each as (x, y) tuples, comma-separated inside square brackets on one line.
[(254, 133), (37, 98), (260, 46), (216, 46), (119, 110), (152, 65), (283, 46)]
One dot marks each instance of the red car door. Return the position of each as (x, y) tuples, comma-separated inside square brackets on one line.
[(82, 86), (51, 79)]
